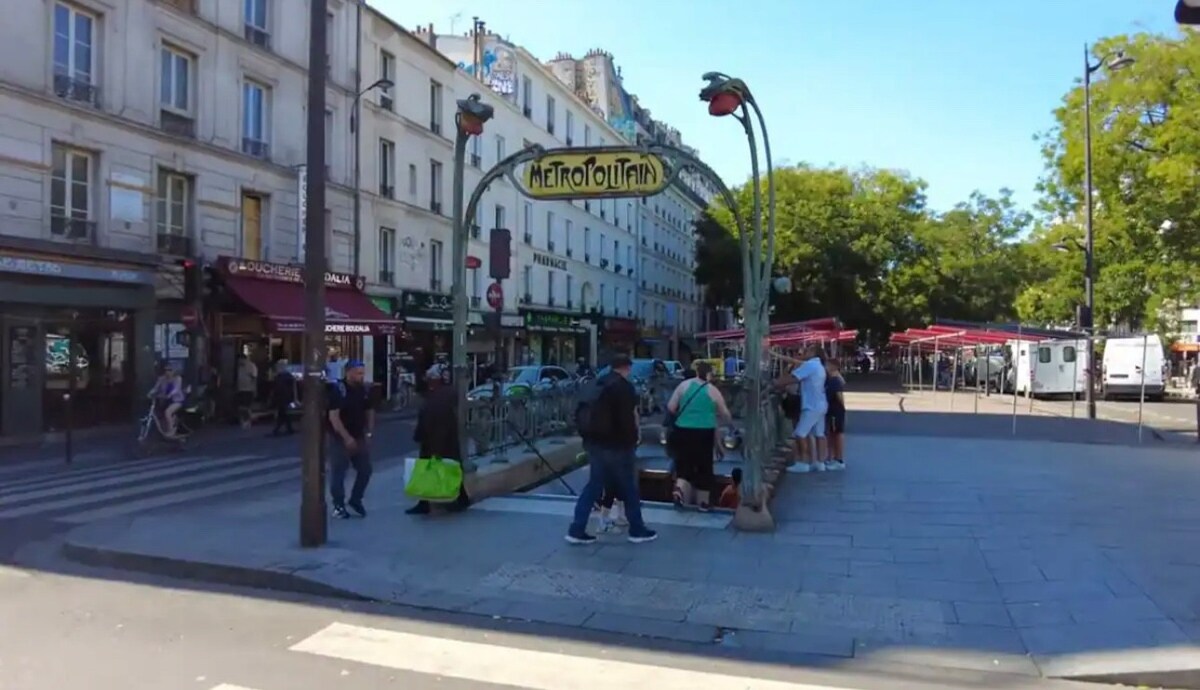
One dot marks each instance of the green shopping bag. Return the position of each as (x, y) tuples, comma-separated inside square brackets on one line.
[(434, 479)]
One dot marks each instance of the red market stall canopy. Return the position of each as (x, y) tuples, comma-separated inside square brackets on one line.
[(826, 324), (806, 337), (948, 337)]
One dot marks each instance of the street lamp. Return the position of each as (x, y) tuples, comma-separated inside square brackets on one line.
[(725, 96), (355, 113), (1113, 61), (469, 119)]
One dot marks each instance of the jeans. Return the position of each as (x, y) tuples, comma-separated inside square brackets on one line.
[(614, 467), (340, 460)]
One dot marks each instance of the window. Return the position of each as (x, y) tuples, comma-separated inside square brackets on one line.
[(387, 256), (474, 283), (527, 281), (550, 287), (587, 244), (570, 128), (175, 91), (1069, 354), (435, 186), (387, 169), (435, 265), (567, 239), (603, 297), (172, 206), (500, 217), (255, 18), (550, 230), (74, 53), (527, 97), (435, 107), (527, 222), (476, 157), (255, 99), (587, 135), (629, 256), (330, 39), (616, 252), (387, 70), (499, 148), (570, 290), (329, 142), (412, 180), (550, 114), (603, 241), (1043, 355), (71, 193)]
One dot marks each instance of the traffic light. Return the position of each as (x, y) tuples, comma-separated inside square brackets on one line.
[(500, 254), (192, 277), (212, 282)]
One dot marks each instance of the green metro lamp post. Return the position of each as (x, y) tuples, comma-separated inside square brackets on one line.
[(469, 119), (727, 96)]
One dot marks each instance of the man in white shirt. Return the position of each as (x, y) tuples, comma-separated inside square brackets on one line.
[(813, 406)]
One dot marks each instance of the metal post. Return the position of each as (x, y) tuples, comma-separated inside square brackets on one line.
[(313, 523), (1088, 238), (1033, 372), (954, 377), (1074, 377), (937, 353), (1142, 395), (459, 289), (977, 380)]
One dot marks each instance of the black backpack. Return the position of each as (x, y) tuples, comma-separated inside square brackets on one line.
[(592, 420)]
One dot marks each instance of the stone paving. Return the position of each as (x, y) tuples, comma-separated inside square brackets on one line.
[(1018, 556)]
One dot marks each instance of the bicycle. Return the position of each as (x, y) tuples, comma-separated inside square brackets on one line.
[(152, 429)]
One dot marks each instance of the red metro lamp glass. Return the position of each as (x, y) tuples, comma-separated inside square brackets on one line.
[(472, 113)]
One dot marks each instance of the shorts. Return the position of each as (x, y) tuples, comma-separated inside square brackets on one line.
[(835, 422), (812, 423)]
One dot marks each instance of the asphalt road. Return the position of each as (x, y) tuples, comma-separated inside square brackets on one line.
[(67, 626)]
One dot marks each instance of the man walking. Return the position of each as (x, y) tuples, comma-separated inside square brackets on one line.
[(610, 428), (352, 419)]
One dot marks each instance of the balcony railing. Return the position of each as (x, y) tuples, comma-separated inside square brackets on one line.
[(387, 277), (435, 284), (475, 302), (256, 148), (476, 160), (436, 207), (82, 90), (179, 125), (387, 191), (174, 244), (74, 229), (257, 36), (435, 127)]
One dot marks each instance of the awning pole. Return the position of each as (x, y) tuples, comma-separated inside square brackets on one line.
[(1142, 396), (1033, 362), (954, 377), (1074, 377), (1015, 367)]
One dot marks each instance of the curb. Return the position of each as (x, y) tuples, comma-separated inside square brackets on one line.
[(204, 572)]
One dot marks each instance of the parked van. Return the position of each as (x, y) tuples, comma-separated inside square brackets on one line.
[(1055, 367), (1123, 373)]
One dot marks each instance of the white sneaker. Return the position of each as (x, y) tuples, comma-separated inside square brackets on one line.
[(835, 465), (818, 467), (799, 468)]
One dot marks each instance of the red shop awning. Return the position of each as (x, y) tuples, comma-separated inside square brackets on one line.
[(347, 311)]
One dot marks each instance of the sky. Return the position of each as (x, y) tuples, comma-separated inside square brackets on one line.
[(951, 91)]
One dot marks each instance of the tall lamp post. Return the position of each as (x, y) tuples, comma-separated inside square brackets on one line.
[(1113, 61), (727, 95), (469, 119), (355, 118)]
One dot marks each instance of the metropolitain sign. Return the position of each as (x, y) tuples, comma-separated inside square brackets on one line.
[(596, 173)]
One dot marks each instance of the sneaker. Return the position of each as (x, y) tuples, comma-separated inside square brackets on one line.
[(643, 536), (799, 468), (358, 508), (818, 467), (580, 539), (835, 465), (340, 513)]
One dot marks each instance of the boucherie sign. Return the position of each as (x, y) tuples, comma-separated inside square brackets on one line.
[(288, 273)]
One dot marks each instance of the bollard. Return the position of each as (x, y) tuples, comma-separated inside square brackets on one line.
[(69, 423)]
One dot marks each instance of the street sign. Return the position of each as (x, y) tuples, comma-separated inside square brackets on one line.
[(594, 173), (474, 262), (188, 316), (495, 296)]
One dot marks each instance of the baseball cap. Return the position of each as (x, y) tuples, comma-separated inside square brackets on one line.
[(354, 364)]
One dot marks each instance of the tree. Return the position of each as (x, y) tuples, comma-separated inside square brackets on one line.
[(718, 261), (1145, 161)]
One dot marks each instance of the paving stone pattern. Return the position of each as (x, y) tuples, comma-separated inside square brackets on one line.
[(975, 553)]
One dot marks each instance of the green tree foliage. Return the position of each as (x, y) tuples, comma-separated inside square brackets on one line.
[(1145, 170), (862, 245)]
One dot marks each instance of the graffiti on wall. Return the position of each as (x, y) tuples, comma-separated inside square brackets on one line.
[(602, 88), (497, 69)]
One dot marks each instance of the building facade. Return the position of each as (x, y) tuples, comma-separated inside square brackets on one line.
[(134, 135)]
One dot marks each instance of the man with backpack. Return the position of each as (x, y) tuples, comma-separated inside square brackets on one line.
[(608, 423)]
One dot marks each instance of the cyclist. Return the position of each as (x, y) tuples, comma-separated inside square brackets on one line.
[(168, 391)]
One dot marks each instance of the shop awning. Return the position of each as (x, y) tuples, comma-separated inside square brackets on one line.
[(347, 311)]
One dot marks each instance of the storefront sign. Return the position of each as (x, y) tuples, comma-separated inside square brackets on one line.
[(72, 271), (549, 320), (287, 273), (595, 173), (478, 318), (427, 305), (551, 261)]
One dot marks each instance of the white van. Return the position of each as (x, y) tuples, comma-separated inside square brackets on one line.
[(1123, 368), (1054, 367)]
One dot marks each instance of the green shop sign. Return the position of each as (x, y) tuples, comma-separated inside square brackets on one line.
[(427, 305), (550, 320)]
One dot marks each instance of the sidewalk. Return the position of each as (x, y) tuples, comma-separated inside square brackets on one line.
[(1010, 556)]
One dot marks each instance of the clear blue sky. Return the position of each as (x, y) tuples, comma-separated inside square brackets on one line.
[(950, 90)]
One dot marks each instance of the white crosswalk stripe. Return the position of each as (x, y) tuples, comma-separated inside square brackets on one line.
[(92, 494), (514, 666)]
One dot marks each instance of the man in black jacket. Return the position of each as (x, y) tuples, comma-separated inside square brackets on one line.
[(611, 447), (437, 431)]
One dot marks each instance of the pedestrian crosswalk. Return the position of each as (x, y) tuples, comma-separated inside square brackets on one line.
[(130, 488), (496, 665)]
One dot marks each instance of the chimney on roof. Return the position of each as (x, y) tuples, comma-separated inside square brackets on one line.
[(432, 37)]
